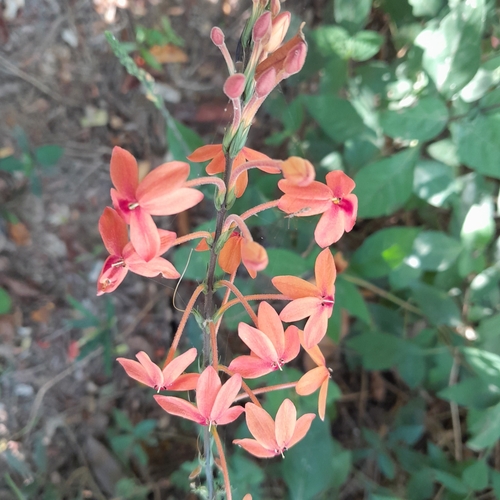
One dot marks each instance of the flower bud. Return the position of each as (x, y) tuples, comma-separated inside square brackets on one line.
[(262, 28), (234, 86), (298, 171), (265, 83), (217, 36), (254, 257), (275, 7), (295, 59), (280, 26)]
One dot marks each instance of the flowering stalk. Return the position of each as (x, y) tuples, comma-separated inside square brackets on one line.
[(135, 244)]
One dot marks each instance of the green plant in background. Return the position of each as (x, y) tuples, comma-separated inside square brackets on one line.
[(412, 111), (97, 330), (127, 439), (32, 160)]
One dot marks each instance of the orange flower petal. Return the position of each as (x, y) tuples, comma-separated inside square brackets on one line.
[(271, 325), (254, 257), (325, 273), (181, 408), (173, 370), (162, 180), (224, 400), (261, 425), (230, 255), (258, 342), (205, 153), (144, 234), (208, 387), (286, 417), (124, 172), (295, 288), (299, 309), (312, 380), (255, 448), (315, 328), (340, 183), (301, 428), (113, 231), (217, 165), (322, 399)]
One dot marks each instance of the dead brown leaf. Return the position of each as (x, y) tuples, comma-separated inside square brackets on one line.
[(19, 234), (20, 288), (42, 315), (165, 54)]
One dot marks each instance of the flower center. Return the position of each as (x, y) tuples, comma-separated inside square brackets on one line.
[(328, 301), (119, 263), (336, 201), (132, 206)]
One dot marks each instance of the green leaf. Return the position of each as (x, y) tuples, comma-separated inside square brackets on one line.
[(478, 228), (341, 465), (122, 421), (486, 429), (5, 301), (383, 251), (386, 185), (284, 262), (421, 122), (437, 305), (478, 143), (364, 45), (11, 164), (352, 15), (434, 182), (472, 392), (451, 482), (337, 117), (485, 364), (307, 467), (182, 141), (444, 151), (144, 428), (379, 351), (48, 155), (482, 82), (433, 251), (428, 8), (452, 51), (348, 297)]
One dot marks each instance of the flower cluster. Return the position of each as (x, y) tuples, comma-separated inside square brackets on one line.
[(135, 243)]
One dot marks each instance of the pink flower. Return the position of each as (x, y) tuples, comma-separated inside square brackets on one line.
[(271, 347), (168, 379), (334, 200), (123, 258), (272, 439), (308, 300), (161, 192), (213, 400)]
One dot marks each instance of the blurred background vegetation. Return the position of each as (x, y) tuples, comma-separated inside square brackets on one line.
[(404, 96)]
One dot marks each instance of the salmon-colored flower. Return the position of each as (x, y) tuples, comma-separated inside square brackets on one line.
[(161, 192), (308, 300), (272, 439), (217, 165), (271, 346), (123, 257), (236, 250), (334, 200), (168, 379), (213, 400), (315, 379)]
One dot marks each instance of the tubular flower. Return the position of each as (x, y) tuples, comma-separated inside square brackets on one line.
[(308, 300), (334, 200), (213, 400), (272, 439), (168, 379), (271, 346), (315, 379), (217, 165), (161, 192), (124, 258), (236, 250)]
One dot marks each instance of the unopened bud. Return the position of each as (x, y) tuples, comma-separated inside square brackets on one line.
[(254, 257), (217, 36), (265, 83), (262, 28), (280, 26), (295, 59), (234, 86), (275, 7), (298, 171)]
